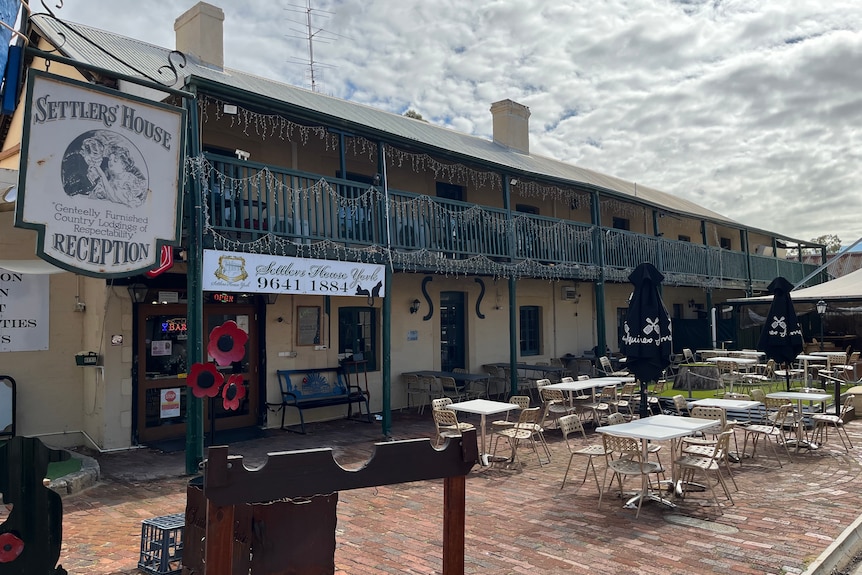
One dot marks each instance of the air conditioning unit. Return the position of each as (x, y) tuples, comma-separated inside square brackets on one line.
[(570, 293)]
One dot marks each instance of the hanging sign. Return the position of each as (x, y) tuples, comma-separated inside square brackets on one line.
[(261, 273), (100, 177)]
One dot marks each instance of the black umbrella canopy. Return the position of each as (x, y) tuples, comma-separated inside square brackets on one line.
[(781, 337), (647, 341)]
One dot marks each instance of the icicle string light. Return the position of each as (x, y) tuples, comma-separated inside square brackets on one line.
[(265, 183), (275, 125)]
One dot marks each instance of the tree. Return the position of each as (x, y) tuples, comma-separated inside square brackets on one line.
[(831, 241)]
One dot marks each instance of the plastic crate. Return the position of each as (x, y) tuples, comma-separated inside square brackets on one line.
[(162, 544)]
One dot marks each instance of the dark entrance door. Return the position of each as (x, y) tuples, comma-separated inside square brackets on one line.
[(452, 339), (162, 368)]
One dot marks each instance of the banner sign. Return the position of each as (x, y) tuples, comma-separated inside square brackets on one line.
[(100, 176), (23, 311), (261, 273)]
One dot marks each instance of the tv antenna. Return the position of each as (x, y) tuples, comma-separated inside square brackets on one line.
[(309, 34)]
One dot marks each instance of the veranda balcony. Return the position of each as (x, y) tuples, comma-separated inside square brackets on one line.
[(249, 202)]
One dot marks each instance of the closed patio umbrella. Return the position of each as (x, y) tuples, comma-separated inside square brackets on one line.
[(647, 341), (781, 337)]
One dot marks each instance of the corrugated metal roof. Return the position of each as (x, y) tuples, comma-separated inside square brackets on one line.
[(80, 42)]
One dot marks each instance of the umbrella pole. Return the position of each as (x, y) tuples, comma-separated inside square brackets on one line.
[(787, 375), (643, 407)]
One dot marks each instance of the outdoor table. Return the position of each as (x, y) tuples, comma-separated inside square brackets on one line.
[(725, 404), (740, 362), (805, 358), (483, 407), (591, 384), (658, 428), (799, 397), (707, 353), (745, 361)]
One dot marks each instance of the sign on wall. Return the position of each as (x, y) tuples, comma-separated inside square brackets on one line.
[(23, 311), (100, 176), (261, 273)]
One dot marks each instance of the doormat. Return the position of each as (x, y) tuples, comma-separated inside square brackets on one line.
[(225, 437)]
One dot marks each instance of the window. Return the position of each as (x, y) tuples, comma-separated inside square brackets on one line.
[(357, 334), (683, 238), (531, 330), (621, 224), (526, 209), (450, 191), (725, 243)]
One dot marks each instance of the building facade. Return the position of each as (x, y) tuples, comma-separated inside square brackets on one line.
[(490, 254)]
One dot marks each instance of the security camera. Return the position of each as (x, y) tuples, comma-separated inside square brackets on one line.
[(242, 154)]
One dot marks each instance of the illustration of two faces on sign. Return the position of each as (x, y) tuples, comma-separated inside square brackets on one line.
[(105, 165)]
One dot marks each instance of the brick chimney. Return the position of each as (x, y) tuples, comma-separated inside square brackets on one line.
[(200, 31), (511, 125)]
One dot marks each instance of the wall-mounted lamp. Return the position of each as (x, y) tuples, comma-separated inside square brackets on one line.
[(10, 195), (821, 309), (691, 303), (242, 154), (414, 306), (138, 292), (270, 298), (513, 182)]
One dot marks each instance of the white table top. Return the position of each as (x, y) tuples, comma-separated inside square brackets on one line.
[(745, 353), (800, 396), (581, 385), (727, 403), (659, 427), (574, 385), (811, 357), (483, 406), (828, 353), (739, 360)]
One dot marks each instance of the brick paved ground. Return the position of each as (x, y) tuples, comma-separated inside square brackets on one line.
[(518, 520)]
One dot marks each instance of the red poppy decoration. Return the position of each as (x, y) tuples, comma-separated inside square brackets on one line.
[(227, 343), (10, 547), (205, 380), (233, 392)]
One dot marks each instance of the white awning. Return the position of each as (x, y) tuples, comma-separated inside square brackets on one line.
[(848, 287), (30, 267)]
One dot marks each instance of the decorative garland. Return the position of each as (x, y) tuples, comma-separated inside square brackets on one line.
[(276, 125), (419, 260)]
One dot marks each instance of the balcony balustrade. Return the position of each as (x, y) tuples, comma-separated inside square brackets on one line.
[(247, 201)]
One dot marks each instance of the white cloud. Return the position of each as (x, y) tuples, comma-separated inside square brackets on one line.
[(750, 108)]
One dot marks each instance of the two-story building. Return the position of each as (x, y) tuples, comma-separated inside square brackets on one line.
[(491, 253)]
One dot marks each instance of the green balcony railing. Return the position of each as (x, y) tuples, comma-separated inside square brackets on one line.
[(246, 200)]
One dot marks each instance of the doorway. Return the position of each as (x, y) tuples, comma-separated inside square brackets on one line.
[(453, 342), (163, 365)]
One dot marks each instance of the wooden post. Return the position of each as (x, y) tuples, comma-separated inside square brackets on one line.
[(454, 515), (218, 545)]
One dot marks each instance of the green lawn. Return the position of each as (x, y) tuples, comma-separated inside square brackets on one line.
[(61, 468)]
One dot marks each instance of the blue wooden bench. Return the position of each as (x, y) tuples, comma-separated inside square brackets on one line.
[(319, 387)]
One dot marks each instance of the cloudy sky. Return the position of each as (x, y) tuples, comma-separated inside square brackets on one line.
[(750, 108)]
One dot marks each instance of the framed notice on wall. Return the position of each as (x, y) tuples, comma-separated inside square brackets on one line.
[(308, 325)]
